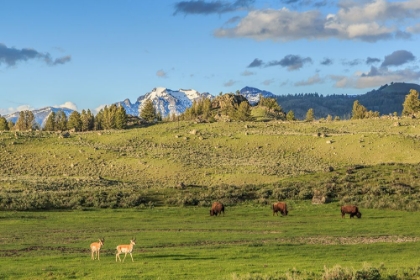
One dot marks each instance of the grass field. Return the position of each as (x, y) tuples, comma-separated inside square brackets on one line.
[(186, 243), (124, 184)]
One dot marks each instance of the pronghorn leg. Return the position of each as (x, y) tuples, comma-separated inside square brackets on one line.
[(93, 256), (131, 257), (117, 256), (125, 257)]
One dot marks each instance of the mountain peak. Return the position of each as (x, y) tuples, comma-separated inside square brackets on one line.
[(253, 94), (166, 101)]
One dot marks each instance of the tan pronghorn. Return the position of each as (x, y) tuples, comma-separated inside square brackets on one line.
[(125, 249), (95, 247)]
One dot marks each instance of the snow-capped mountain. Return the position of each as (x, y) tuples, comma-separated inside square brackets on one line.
[(166, 101), (40, 115), (253, 94)]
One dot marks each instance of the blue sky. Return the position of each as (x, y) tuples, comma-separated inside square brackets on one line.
[(85, 54)]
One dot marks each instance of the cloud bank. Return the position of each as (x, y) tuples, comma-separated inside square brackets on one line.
[(377, 76), (368, 21), (11, 56), (213, 7), (291, 62)]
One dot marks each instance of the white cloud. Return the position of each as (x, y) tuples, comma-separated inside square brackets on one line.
[(310, 81), (376, 77), (284, 25), (69, 105), (12, 110), (362, 20)]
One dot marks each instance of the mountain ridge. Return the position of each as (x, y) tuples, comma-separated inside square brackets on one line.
[(387, 99)]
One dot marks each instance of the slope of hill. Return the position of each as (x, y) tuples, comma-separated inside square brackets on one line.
[(386, 100), (188, 163)]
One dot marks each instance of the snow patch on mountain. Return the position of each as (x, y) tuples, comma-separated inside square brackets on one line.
[(253, 94), (40, 115), (166, 101)]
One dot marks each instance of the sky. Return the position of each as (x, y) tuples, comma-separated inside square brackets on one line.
[(85, 54)]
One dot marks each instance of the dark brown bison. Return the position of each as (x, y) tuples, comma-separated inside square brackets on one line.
[(280, 207), (350, 209), (217, 208)]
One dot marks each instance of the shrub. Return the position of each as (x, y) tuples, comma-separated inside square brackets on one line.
[(337, 273)]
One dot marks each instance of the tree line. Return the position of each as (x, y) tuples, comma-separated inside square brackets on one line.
[(232, 106), (112, 117)]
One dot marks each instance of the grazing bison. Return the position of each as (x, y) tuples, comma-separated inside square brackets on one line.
[(217, 208), (350, 209), (280, 207)]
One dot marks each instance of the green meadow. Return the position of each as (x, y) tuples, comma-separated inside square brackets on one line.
[(156, 183), (186, 243)]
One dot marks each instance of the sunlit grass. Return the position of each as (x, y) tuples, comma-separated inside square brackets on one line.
[(187, 243)]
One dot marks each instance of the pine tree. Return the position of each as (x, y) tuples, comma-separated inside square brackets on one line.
[(120, 118), (270, 103), (85, 120), (11, 125), (290, 116), (20, 123), (108, 117), (98, 120), (50, 124), (411, 103), (91, 120), (29, 120), (359, 111), (61, 121), (148, 111), (3, 124), (25, 121), (74, 121), (206, 108), (244, 112), (310, 115)]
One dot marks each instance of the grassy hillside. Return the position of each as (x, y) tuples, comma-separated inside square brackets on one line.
[(193, 163)]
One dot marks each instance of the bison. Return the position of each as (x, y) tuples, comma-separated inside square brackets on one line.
[(350, 209), (280, 207), (217, 208)]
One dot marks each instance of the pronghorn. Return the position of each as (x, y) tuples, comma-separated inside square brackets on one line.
[(96, 246), (125, 249)]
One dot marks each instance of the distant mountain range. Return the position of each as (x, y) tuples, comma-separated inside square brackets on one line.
[(387, 99), (40, 115)]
